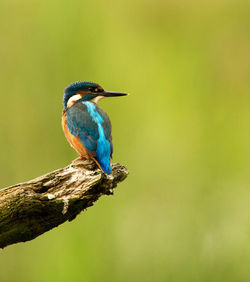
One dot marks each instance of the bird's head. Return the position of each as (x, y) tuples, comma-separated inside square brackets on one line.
[(87, 91)]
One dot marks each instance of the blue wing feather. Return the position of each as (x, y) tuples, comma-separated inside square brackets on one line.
[(81, 125), (92, 125), (107, 128)]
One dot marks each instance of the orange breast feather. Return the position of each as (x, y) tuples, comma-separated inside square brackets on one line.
[(74, 141)]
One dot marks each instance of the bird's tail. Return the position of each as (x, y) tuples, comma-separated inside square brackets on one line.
[(105, 165)]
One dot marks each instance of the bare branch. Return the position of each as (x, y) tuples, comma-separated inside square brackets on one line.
[(29, 209)]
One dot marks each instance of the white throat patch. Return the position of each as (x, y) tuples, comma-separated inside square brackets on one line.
[(96, 99), (73, 99)]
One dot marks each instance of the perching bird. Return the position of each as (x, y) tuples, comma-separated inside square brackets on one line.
[(86, 126)]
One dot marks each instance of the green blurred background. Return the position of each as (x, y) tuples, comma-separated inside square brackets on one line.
[(183, 214)]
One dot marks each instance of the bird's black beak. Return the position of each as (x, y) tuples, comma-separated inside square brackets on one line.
[(111, 94)]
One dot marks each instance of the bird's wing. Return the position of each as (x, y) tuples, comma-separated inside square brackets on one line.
[(107, 128), (81, 125)]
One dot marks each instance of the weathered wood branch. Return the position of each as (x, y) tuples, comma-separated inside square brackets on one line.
[(29, 209)]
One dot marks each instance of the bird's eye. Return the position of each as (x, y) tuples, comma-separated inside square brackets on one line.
[(96, 89)]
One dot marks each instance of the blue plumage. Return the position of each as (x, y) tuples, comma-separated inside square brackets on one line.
[(74, 87), (92, 126), (87, 127)]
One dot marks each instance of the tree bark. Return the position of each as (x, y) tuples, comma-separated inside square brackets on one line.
[(29, 209)]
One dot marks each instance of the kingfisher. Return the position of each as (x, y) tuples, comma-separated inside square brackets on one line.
[(86, 126)]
